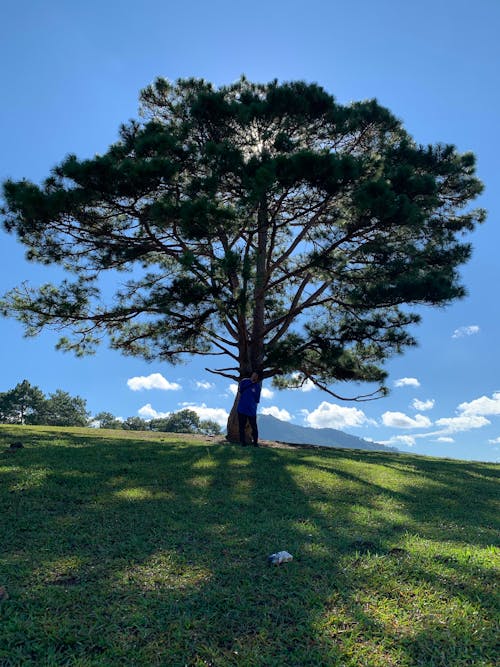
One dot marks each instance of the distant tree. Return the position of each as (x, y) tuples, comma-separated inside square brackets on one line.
[(21, 404), (265, 223), (135, 424), (107, 420), (209, 427), (183, 421), (158, 424), (61, 409)]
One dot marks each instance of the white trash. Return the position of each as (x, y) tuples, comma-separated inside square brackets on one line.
[(279, 557)]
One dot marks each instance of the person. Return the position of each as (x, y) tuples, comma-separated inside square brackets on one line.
[(249, 390)]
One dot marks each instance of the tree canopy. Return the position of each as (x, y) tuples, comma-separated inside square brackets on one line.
[(267, 224), (26, 404), (185, 421)]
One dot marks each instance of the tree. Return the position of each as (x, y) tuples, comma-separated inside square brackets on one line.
[(264, 223), (107, 420), (183, 421), (209, 427), (61, 409), (21, 404), (135, 424)]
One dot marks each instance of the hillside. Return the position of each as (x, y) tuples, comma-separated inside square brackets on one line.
[(271, 428), (131, 549)]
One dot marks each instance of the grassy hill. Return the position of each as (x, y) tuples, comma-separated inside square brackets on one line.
[(121, 548)]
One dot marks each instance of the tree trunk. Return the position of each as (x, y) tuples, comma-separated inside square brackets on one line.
[(252, 352), (233, 434), (257, 344), (233, 429)]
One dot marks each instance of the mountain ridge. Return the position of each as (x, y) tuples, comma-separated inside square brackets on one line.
[(271, 428)]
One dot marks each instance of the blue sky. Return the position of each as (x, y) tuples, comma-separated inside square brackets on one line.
[(71, 73)]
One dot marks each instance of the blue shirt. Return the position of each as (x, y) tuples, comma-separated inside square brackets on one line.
[(249, 397)]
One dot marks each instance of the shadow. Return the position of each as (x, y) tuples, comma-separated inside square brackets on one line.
[(171, 540)]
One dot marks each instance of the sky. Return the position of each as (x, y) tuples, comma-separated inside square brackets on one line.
[(71, 73)]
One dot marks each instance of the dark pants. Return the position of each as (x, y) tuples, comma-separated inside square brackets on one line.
[(242, 422)]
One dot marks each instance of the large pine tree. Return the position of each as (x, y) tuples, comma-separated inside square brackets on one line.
[(267, 224)]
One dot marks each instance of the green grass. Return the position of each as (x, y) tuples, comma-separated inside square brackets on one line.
[(150, 549)]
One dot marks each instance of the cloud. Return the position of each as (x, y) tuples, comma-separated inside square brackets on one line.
[(148, 412), (267, 393), (274, 411), (481, 406), (308, 385), (406, 440), (407, 382), (462, 423), (218, 415), (204, 385), (465, 331), (153, 381), (496, 441), (233, 388), (331, 415), (422, 405), (400, 420), (469, 415)]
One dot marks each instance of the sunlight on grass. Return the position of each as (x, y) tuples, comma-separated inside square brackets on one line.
[(200, 481), (163, 570), (139, 493), (126, 550), (31, 478), (205, 463)]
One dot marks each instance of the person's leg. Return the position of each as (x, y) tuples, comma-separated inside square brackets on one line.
[(255, 432), (242, 422)]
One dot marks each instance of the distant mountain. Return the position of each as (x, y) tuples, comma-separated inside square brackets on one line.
[(271, 428)]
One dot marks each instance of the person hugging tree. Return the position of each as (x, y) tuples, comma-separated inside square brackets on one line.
[(249, 390)]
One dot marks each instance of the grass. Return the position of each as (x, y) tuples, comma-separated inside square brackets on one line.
[(122, 548)]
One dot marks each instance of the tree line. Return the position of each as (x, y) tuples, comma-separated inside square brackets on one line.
[(27, 404)]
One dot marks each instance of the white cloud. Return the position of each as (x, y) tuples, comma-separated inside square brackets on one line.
[(400, 420), (233, 388), (462, 423), (308, 386), (496, 441), (204, 385), (153, 381), (331, 415), (465, 331), (422, 405), (406, 440), (482, 406), (219, 415), (407, 382), (470, 416), (148, 412), (267, 393), (274, 411)]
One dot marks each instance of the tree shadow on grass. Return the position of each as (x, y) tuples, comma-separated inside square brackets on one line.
[(147, 553)]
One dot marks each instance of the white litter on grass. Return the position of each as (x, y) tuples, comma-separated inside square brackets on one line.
[(279, 557)]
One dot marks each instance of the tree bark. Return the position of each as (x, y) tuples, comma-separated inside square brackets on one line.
[(233, 434), (257, 342), (233, 429)]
